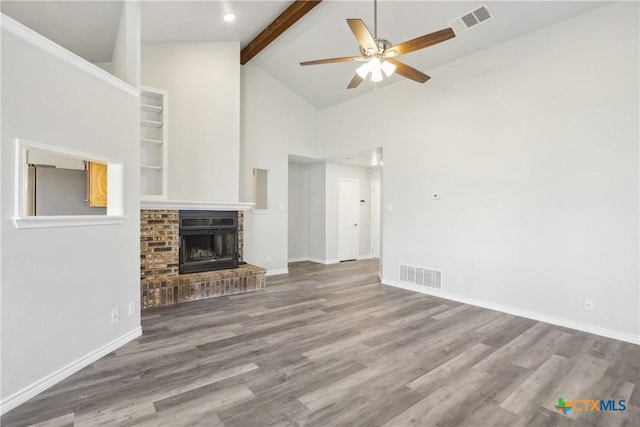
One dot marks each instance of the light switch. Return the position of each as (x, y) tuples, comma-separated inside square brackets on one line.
[(389, 207)]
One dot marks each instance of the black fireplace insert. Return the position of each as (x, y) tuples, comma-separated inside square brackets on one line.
[(208, 241)]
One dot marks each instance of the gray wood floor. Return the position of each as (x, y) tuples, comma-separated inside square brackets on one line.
[(329, 345)]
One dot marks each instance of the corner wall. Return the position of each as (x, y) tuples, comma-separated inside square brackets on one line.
[(318, 213), (533, 147), (203, 81), (298, 214), (275, 123), (59, 285), (125, 60)]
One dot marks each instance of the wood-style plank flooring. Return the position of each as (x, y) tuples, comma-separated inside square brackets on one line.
[(328, 346)]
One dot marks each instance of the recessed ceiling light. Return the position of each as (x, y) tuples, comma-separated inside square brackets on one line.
[(229, 17)]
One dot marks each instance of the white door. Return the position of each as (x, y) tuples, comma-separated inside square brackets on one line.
[(348, 217), (375, 219)]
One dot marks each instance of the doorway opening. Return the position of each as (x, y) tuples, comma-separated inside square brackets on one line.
[(334, 212)]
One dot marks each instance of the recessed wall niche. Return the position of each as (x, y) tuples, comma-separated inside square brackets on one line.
[(57, 187), (261, 189)]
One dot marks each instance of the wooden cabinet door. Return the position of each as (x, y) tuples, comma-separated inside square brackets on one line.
[(97, 183)]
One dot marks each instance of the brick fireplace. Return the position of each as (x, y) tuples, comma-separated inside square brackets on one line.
[(161, 282)]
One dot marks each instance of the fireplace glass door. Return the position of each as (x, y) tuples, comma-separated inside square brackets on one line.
[(217, 246), (208, 250), (208, 241)]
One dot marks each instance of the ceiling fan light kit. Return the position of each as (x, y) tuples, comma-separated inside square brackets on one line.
[(377, 54)]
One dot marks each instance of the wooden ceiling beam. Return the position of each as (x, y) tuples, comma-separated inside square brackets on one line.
[(282, 23)]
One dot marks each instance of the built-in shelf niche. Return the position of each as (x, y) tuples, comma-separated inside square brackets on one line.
[(153, 143)]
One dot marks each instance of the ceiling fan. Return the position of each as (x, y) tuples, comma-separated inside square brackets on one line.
[(378, 54)]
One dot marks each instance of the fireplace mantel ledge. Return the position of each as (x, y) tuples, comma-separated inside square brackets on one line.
[(193, 205)]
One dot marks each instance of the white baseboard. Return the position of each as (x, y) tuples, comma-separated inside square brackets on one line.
[(50, 380), (276, 272), (584, 327), (323, 261), (327, 261)]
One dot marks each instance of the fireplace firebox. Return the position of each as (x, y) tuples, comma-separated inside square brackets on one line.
[(208, 241)]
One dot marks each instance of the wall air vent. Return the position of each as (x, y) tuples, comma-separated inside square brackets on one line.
[(421, 276), (471, 19)]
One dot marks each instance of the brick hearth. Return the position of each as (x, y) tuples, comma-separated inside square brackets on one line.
[(160, 282)]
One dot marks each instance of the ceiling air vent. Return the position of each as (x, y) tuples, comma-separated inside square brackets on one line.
[(470, 20)]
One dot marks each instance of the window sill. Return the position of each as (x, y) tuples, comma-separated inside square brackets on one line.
[(66, 221)]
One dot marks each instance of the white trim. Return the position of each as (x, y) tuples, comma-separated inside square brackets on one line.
[(372, 211), (25, 143), (115, 192), (193, 205), (324, 261), (276, 272), (585, 327), (66, 221), (260, 211), (298, 259), (50, 380), (60, 52)]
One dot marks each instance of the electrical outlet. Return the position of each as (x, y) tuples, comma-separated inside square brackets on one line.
[(589, 304), (115, 316), (268, 258), (389, 207), (132, 308), (459, 280)]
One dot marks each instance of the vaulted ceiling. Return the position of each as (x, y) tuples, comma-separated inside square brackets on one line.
[(89, 27)]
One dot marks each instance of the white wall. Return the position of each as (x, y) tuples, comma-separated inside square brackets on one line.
[(376, 174), (125, 60), (39, 157), (60, 284), (318, 212), (533, 145), (298, 215), (275, 123), (203, 81), (333, 175)]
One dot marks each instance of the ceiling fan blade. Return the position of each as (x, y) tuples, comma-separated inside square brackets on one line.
[(421, 42), (409, 72), (362, 34), (355, 81), (332, 60)]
